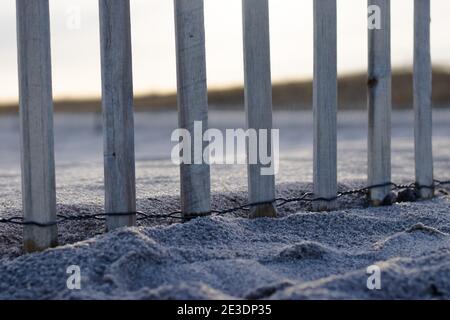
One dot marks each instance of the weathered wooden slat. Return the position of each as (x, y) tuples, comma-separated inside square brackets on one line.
[(36, 114), (379, 104), (118, 120), (192, 102), (325, 103), (422, 98), (258, 99)]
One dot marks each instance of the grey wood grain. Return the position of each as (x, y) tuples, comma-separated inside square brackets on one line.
[(192, 101), (325, 103), (422, 98), (258, 98), (379, 104), (118, 119), (36, 114)]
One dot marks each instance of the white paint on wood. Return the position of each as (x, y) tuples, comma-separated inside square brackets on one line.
[(325, 103), (379, 104), (192, 100), (258, 98), (422, 98), (118, 122), (36, 114)]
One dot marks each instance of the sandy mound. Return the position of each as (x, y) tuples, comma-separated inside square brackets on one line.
[(300, 255)]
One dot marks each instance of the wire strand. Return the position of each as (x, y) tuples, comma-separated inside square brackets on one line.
[(178, 215)]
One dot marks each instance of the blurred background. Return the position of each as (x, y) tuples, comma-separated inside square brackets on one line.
[(78, 132), (76, 56)]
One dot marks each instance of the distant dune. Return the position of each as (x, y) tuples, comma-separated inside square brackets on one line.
[(286, 95)]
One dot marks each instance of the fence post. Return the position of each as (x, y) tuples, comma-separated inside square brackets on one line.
[(325, 103), (192, 102), (379, 103), (118, 122), (258, 100), (422, 98), (36, 114)]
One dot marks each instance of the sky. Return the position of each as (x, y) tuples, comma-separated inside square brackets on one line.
[(76, 49)]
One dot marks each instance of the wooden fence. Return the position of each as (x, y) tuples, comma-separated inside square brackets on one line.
[(38, 168)]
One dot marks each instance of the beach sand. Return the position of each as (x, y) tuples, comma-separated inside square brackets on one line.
[(300, 255)]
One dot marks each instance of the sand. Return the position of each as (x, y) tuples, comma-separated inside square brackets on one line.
[(300, 255)]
